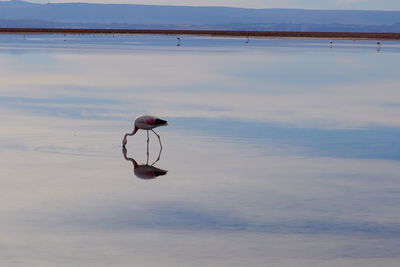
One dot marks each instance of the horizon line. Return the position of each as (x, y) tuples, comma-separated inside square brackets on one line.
[(204, 6), (213, 33)]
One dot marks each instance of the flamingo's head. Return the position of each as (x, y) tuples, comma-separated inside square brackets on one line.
[(124, 141)]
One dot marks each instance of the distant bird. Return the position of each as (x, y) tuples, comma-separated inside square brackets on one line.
[(378, 48), (248, 40), (179, 41), (146, 123)]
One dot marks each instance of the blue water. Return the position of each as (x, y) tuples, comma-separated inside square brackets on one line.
[(278, 152)]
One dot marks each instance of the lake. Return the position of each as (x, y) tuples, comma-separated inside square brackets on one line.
[(278, 152)]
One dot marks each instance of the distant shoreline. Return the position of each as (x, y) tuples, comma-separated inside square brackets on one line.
[(213, 33)]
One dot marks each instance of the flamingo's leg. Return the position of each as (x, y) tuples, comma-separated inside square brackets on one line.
[(148, 140), (159, 139), (158, 158)]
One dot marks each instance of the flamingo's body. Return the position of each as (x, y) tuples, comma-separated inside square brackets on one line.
[(146, 123), (148, 172)]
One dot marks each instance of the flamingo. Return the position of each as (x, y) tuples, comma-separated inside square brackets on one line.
[(378, 46), (144, 171), (146, 123)]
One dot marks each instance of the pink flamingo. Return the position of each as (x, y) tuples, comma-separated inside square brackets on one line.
[(146, 123)]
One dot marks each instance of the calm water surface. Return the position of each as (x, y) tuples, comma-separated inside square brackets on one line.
[(278, 152)]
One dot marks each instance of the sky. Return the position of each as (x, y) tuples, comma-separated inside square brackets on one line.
[(307, 4)]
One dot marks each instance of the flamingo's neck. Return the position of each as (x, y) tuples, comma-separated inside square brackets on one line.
[(133, 132), (135, 164), (125, 151), (125, 140)]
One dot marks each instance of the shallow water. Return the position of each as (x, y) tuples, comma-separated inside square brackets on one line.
[(278, 152)]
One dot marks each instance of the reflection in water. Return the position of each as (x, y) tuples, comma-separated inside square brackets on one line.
[(145, 171), (321, 161)]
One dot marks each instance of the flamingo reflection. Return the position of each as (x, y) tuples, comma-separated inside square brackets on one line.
[(145, 171)]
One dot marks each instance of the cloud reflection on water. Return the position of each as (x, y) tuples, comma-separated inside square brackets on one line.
[(327, 92), (267, 163)]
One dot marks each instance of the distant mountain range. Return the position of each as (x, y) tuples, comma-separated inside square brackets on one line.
[(18, 13)]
